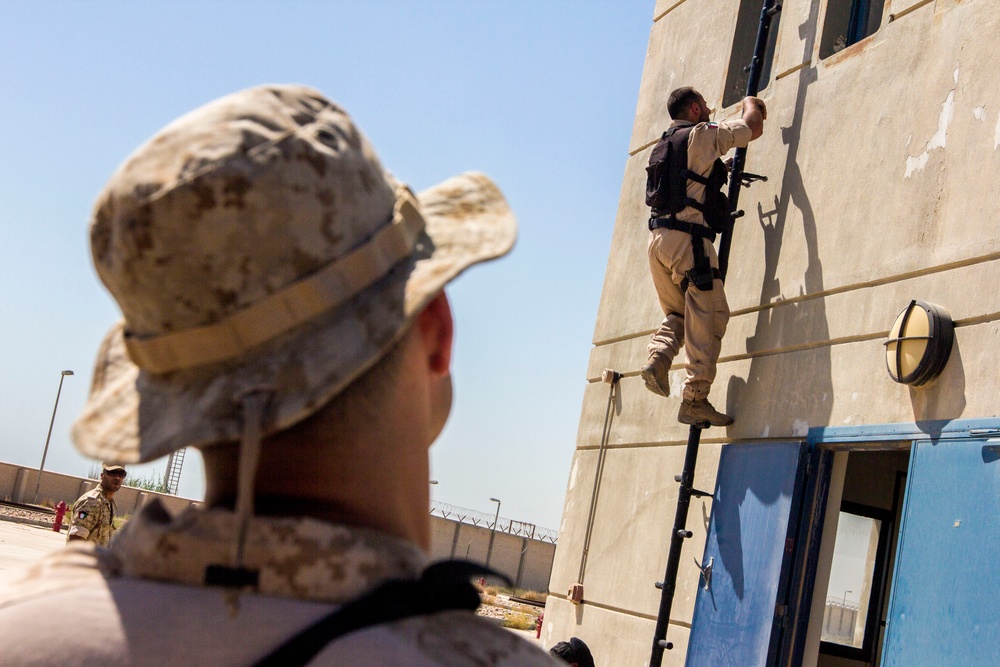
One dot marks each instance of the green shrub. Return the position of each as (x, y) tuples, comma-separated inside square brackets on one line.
[(518, 621), (534, 596)]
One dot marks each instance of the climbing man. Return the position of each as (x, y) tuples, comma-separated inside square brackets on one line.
[(684, 185), (94, 512)]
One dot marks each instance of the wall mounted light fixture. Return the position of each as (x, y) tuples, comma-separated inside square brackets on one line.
[(919, 343)]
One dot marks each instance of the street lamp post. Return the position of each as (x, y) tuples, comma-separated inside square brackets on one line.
[(45, 451), (845, 598), (493, 533)]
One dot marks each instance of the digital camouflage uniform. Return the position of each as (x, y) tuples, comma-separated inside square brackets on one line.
[(93, 518), (146, 604), (693, 318)]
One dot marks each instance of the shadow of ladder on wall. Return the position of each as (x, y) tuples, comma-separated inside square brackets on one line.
[(738, 178)]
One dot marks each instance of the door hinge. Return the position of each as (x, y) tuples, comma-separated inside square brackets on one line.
[(781, 615)]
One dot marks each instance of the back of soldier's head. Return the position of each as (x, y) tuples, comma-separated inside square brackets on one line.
[(263, 261)]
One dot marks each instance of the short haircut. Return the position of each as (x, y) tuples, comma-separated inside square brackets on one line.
[(680, 100)]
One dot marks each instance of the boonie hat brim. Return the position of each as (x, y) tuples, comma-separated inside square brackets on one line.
[(133, 415)]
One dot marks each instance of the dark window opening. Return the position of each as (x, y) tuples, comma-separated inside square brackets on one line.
[(743, 42), (848, 22)]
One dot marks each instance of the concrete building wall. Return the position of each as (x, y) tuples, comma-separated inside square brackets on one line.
[(882, 163)]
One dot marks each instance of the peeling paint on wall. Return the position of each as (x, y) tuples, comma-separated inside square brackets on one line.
[(996, 134), (979, 113), (918, 162), (800, 427)]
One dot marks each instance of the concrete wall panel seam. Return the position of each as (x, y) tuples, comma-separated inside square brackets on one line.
[(618, 610), (908, 10), (833, 291), (793, 70), (668, 10)]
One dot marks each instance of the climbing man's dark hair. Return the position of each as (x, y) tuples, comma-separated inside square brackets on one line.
[(680, 99)]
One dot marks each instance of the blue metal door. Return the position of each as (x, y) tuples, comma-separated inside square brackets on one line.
[(749, 547), (945, 590)]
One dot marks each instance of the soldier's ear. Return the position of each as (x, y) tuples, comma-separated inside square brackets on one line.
[(437, 330)]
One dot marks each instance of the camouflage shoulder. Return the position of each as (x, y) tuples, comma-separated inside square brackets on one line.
[(86, 502), (463, 639)]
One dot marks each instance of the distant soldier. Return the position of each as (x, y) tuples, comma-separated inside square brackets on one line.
[(94, 512), (684, 192)]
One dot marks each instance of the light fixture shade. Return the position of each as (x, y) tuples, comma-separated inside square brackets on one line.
[(919, 343)]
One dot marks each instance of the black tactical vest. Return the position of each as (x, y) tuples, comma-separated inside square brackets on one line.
[(667, 177)]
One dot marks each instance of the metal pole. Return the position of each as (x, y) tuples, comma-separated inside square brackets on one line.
[(677, 537), (45, 452), (612, 377), (489, 550)]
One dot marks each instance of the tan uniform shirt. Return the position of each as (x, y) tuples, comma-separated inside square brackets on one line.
[(143, 601), (707, 142), (693, 319), (93, 517)]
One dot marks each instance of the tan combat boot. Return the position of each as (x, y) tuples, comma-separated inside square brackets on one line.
[(699, 411), (656, 375)]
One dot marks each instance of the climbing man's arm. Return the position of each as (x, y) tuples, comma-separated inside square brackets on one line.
[(754, 114)]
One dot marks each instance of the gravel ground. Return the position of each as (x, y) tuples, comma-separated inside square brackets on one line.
[(20, 514)]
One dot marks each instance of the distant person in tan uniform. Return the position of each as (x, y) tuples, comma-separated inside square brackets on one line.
[(283, 310), (94, 512), (686, 277)]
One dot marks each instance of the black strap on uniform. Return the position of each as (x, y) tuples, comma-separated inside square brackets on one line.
[(671, 222), (441, 587), (703, 273)]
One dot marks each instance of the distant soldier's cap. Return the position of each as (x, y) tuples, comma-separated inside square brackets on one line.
[(112, 467), (257, 243)]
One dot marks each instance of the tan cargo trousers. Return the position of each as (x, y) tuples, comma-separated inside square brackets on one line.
[(695, 319)]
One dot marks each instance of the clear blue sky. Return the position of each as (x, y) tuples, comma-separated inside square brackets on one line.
[(539, 94)]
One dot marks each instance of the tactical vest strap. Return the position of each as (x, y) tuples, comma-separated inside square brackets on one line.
[(687, 281), (443, 586), (671, 222), (696, 177), (703, 274)]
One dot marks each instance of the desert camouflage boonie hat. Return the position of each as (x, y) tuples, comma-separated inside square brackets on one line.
[(257, 243)]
